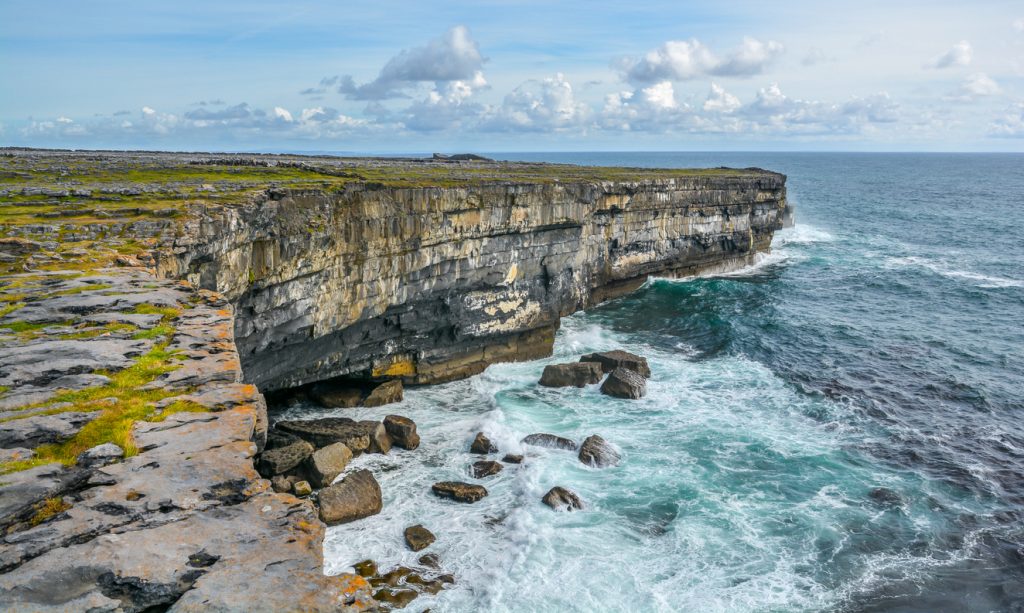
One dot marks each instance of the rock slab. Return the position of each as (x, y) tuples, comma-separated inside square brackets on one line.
[(576, 374), (459, 491), (610, 360), (623, 383), (354, 497)]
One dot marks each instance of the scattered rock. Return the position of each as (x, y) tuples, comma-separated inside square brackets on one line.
[(278, 438), (385, 393), (398, 598), (551, 441), (559, 498), (354, 497), (486, 468), (380, 440), (302, 489), (482, 445), (418, 538), (282, 459), (281, 484), (576, 374), (366, 568), (100, 455), (611, 360), (336, 395), (323, 465), (126, 260), (596, 452), (512, 459), (402, 431), (329, 430), (430, 560), (456, 490), (624, 383)]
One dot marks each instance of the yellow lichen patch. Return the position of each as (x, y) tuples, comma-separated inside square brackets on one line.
[(399, 367)]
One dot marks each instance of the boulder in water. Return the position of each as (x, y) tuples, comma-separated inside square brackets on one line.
[(550, 441), (559, 498), (610, 360), (325, 464), (486, 468), (418, 538), (596, 452), (461, 492), (354, 497), (402, 431), (385, 393), (482, 445), (622, 383), (576, 374)]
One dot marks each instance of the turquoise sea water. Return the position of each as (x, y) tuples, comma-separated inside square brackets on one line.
[(838, 428)]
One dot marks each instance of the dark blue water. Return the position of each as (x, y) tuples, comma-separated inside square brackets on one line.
[(838, 428), (909, 318)]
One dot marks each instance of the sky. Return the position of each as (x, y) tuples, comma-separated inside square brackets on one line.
[(503, 75)]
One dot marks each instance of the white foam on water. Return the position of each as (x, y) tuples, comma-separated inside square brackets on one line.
[(802, 234), (726, 482), (950, 272)]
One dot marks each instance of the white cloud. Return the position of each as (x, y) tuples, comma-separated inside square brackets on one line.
[(283, 114), (978, 85), (721, 101), (959, 55), (546, 105), (1011, 124), (447, 106), (455, 56), (683, 60)]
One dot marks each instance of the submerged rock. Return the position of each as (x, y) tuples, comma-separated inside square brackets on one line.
[(282, 459), (457, 490), (550, 441), (559, 498), (402, 431), (576, 374), (418, 538), (624, 383), (486, 468), (596, 452), (512, 459), (610, 360), (354, 497), (385, 393), (398, 598), (430, 560), (325, 464), (482, 445)]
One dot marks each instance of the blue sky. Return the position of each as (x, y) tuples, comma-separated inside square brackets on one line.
[(505, 76)]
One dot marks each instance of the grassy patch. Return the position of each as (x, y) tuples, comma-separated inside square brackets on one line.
[(51, 507), (162, 330)]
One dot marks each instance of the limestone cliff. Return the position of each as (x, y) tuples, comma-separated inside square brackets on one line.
[(434, 283)]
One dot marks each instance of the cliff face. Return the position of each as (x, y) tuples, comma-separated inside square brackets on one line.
[(433, 284)]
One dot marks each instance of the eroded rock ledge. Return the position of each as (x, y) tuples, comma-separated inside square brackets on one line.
[(431, 284)]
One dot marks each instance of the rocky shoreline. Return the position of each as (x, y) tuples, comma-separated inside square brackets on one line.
[(138, 468)]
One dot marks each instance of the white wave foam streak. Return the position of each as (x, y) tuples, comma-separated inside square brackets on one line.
[(718, 503), (950, 272)]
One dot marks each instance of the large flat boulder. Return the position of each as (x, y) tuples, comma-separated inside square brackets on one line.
[(551, 441), (575, 374), (283, 459), (328, 430), (354, 497), (610, 360), (386, 393), (459, 491)]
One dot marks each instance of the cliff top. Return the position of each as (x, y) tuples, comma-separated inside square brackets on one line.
[(37, 185)]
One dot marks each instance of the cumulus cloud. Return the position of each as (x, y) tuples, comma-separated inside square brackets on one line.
[(455, 56), (959, 55), (688, 59), (976, 86), (649, 109), (447, 106), (721, 101), (535, 106)]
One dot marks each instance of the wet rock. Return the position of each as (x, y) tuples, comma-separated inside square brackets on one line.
[(380, 440), (385, 393), (402, 431), (418, 538), (325, 464), (100, 455), (482, 445), (550, 441), (611, 360), (459, 491), (302, 489), (576, 374), (354, 497), (622, 383), (398, 598), (512, 459), (329, 430), (39, 430), (430, 560), (596, 452), (486, 468), (357, 595), (336, 395), (282, 459), (559, 498), (366, 568)]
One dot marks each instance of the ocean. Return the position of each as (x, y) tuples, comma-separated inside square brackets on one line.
[(839, 427)]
